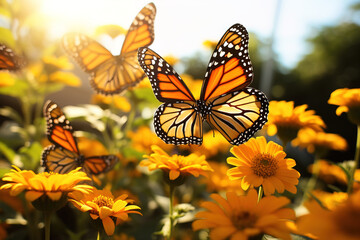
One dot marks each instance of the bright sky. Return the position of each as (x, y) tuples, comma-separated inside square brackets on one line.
[(182, 25)]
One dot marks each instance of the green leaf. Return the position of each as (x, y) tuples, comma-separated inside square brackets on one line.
[(30, 155), (7, 152), (11, 113), (18, 89)]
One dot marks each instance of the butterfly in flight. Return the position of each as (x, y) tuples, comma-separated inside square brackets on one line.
[(9, 60), (226, 103), (111, 74), (64, 155)]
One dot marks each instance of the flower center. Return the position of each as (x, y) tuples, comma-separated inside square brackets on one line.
[(264, 165), (243, 220), (102, 201)]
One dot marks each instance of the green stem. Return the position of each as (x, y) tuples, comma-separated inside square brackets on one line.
[(312, 181), (356, 163), (48, 215), (260, 193), (171, 209)]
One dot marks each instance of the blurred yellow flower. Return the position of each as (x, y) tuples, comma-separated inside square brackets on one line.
[(218, 180), (285, 120), (52, 185), (66, 78), (6, 79), (348, 101), (90, 147), (341, 222), (176, 165), (243, 217), (110, 29), (61, 62), (194, 84), (328, 200), (210, 44), (319, 141), (213, 143), (260, 163), (172, 60), (101, 204), (120, 102), (143, 138)]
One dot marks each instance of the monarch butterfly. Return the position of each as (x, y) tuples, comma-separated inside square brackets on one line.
[(64, 155), (8, 59), (113, 74), (226, 102)]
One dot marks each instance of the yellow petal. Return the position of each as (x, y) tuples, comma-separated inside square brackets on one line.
[(109, 226), (54, 195), (174, 174), (33, 195), (105, 212)]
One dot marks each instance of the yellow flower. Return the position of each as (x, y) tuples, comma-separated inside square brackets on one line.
[(101, 204), (66, 78), (328, 200), (218, 180), (52, 185), (242, 217), (194, 84), (118, 101), (210, 44), (319, 141), (213, 144), (285, 120), (6, 79), (61, 62), (176, 165), (260, 163), (110, 29), (172, 60), (341, 222), (348, 101), (143, 138)]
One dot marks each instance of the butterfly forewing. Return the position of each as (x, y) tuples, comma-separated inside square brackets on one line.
[(178, 123), (239, 115), (230, 68), (166, 83), (141, 31), (8, 59), (59, 130)]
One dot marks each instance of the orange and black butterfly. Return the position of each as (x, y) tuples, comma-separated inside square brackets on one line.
[(9, 60), (64, 155), (226, 102), (113, 74)]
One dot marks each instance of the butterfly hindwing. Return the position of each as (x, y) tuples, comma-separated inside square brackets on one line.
[(178, 123), (239, 115), (230, 68), (59, 160), (99, 164), (111, 74), (166, 83)]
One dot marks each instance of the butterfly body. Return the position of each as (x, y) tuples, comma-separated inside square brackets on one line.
[(226, 103), (111, 74), (64, 155)]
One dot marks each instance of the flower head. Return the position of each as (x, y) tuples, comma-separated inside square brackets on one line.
[(176, 165), (340, 222), (241, 217), (260, 163), (53, 186), (101, 204), (286, 120), (218, 180), (319, 142), (120, 102), (348, 101)]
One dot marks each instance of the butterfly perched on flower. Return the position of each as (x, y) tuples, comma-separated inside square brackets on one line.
[(111, 74), (64, 155), (226, 103), (9, 60)]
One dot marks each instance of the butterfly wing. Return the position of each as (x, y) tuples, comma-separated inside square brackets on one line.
[(99, 164), (239, 115), (230, 68), (166, 83), (59, 131), (178, 123), (59, 160), (8, 59)]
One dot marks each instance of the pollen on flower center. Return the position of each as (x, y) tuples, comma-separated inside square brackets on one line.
[(264, 165), (102, 201), (243, 220)]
